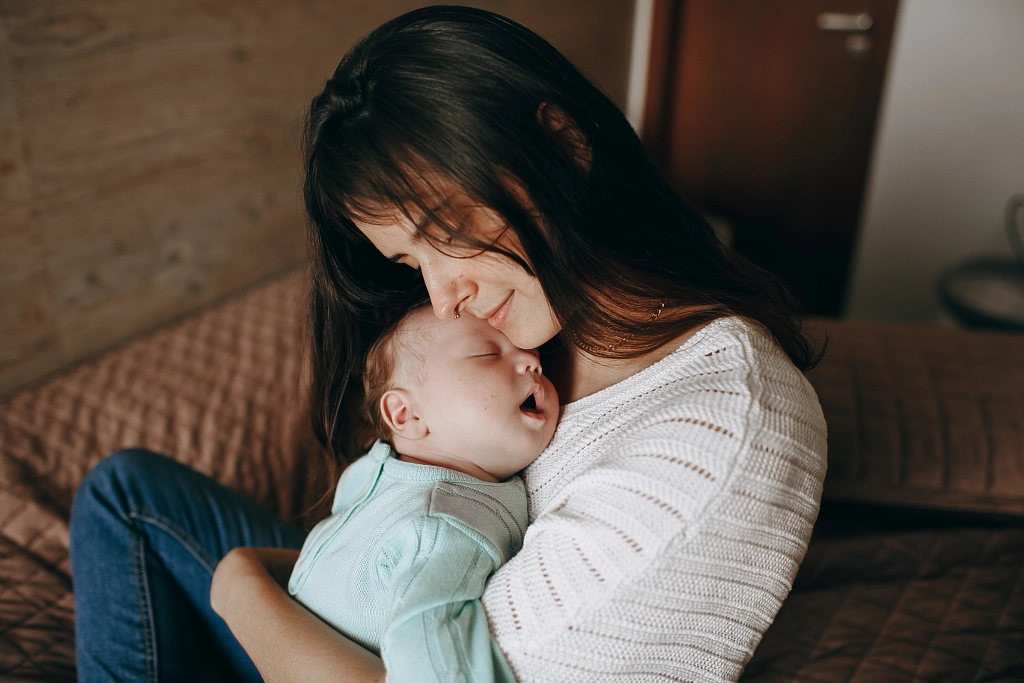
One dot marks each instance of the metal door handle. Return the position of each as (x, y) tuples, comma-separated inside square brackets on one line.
[(845, 22)]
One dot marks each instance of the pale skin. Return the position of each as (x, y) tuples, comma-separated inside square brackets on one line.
[(467, 399), (286, 641)]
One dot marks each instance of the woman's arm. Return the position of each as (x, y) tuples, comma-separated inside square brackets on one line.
[(286, 641)]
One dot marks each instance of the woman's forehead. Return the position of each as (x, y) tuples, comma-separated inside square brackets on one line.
[(391, 222), (436, 200), (396, 231), (411, 194), (384, 229)]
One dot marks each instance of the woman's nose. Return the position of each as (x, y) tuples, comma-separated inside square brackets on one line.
[(447, 289)]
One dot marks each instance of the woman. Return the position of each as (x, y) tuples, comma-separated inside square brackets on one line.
[(669, 514)]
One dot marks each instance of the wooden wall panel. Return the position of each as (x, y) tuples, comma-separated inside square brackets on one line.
[(28, 325), (149, 154)]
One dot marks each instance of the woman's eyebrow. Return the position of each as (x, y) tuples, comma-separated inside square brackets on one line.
[(423, 222), (431, 214)]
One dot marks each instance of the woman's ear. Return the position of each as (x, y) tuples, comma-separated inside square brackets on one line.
[(566, 133), (399, 412)]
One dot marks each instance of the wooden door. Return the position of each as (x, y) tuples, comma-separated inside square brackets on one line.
[(762, 115)]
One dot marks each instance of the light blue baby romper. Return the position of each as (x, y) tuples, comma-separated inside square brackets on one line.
[(400, 565)]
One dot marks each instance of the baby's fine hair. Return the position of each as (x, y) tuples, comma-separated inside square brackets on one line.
[(382, 362)]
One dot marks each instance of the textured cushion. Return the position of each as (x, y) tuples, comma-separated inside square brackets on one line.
[(923, 416), (917, 607)]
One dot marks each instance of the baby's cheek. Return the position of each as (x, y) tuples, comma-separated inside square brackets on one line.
[(489, 400), (481, 407)]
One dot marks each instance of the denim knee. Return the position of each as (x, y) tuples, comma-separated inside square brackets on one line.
[(109, 482), (129, 463)]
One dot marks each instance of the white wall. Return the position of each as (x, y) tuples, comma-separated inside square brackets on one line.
[(948, 153), (639, 60)]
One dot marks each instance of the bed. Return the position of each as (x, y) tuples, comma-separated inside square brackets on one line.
[(915, 573)]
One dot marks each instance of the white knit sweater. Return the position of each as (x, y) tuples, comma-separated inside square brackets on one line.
[(668, 518)]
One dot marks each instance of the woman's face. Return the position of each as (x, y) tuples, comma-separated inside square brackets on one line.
[(486, 285)]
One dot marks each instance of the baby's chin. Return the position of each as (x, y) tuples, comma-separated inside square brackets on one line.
[(513, 460), (500, 448), (537, 442)]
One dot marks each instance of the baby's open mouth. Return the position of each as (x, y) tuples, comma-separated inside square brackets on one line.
[(529, 406)]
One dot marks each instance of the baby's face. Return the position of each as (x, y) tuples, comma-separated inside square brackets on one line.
[(483, 400)]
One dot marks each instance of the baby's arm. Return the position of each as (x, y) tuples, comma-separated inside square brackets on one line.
[(436, 628), (286, 641)]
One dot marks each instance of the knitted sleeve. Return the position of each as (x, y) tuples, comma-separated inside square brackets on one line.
[(436, 629), (669, 555)]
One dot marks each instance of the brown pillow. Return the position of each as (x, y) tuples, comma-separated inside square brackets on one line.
[(923, 416)]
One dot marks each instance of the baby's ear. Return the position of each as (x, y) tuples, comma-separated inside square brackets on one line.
[(399, 412)]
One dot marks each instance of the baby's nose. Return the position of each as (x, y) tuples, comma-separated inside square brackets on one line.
[(530, 363)]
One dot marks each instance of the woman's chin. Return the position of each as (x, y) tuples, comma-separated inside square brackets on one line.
[(526, 335)]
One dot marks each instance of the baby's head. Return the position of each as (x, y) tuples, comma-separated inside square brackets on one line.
[(458, 394)]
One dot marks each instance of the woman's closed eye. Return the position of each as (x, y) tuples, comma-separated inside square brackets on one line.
[(403, 260)]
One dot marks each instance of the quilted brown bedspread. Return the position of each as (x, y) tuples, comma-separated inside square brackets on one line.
[(924, 416), (219, 391), (928, 607), (912, 419)]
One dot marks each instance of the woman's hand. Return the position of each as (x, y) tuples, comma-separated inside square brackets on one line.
[(230, 587), (241, 562), (286, 641)]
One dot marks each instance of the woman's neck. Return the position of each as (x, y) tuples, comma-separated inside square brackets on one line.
[(576, 374)]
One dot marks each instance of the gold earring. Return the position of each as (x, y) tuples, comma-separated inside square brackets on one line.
[(456, 316)]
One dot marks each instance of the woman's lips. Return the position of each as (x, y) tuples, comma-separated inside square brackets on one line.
[(499, 317)]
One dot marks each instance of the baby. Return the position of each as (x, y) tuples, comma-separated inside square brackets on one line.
[(420, 523)]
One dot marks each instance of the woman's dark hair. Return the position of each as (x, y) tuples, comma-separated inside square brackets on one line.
[(466, 98)]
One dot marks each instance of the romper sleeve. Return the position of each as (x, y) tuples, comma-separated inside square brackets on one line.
[(436, 628)]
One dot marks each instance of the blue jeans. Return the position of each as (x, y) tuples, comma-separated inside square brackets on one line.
[(146, 535)]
